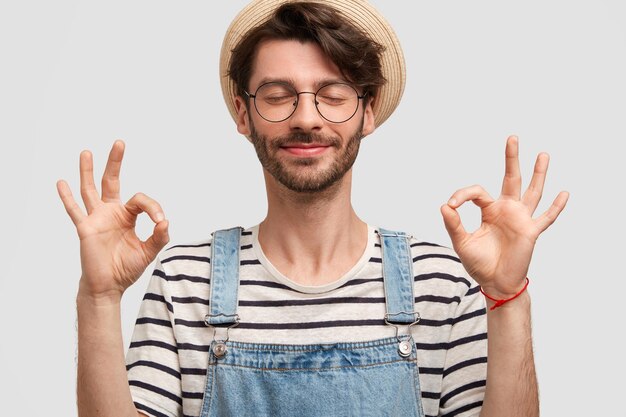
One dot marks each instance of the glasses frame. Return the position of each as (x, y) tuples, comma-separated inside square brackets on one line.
[(295, 107)]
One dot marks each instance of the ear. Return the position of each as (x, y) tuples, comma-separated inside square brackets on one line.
[(243, 121), (368, 119)]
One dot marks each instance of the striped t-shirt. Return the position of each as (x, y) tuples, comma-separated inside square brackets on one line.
[(168, 355)]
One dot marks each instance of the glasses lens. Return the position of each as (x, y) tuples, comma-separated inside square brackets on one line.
[(275, 102), (337, 102)]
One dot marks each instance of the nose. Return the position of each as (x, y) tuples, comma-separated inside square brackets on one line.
[(306, 116)]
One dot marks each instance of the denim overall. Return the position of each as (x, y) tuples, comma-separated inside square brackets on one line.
[(365, 379)]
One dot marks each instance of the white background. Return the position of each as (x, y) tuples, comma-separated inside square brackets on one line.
[(78, 75)]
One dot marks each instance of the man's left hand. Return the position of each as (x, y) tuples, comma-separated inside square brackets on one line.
[(497, 255)]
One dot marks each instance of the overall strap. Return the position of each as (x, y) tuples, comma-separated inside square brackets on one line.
[(224, 277), (398, 277)]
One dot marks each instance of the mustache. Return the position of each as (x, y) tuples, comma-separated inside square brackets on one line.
[(305, 138)]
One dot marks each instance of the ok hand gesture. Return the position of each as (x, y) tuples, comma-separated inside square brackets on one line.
[(498, 254), (112, 256)]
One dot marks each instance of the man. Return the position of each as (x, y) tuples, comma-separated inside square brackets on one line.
[(312, 312)]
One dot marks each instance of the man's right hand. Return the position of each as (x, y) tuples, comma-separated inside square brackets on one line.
[(112, 256)]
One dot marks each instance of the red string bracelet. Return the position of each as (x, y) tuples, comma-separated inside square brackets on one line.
[(498, 303)]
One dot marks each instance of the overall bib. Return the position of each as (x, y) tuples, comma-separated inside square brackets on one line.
[(362, 379)]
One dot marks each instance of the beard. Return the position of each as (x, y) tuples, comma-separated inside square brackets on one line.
[(301, 175)]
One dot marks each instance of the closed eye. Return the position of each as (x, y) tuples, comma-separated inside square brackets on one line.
[(276, 100), (332, 101)]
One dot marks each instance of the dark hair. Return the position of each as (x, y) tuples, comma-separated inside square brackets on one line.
[(357, 56)]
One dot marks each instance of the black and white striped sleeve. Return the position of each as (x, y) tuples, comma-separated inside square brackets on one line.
[(152, 360), (465, 368)]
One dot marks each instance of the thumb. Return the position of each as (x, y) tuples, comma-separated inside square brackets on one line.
[(158, 240), (453, 224)]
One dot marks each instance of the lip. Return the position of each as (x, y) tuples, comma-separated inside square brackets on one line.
[(309, 149)]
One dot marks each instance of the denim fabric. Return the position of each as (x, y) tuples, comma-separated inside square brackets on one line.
[(224, 276), (365, 379), (398, 270)]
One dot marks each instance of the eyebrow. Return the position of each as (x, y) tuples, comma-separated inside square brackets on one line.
[(319, 83)]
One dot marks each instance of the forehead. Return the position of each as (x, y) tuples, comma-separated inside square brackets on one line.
[(302, 63)]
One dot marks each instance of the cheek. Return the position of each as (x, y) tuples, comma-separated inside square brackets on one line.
[(265, 129)]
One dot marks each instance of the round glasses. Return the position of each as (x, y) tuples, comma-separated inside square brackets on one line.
[(277, 101)]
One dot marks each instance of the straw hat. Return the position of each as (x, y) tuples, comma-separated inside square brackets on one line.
[(360, 13)]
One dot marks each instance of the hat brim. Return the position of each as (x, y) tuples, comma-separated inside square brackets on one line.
[(360, 13)]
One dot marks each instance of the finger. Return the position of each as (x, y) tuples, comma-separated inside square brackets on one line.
[(546, 219), (141, 203), (454, 226), (87, 187), (512, 183), (475, 193), (533, 194), (156, 242), (111, 176), (72, 208)]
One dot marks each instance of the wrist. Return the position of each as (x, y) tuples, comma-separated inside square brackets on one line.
[(86, 295), (502, 291), (520, 303), (497, 299)]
